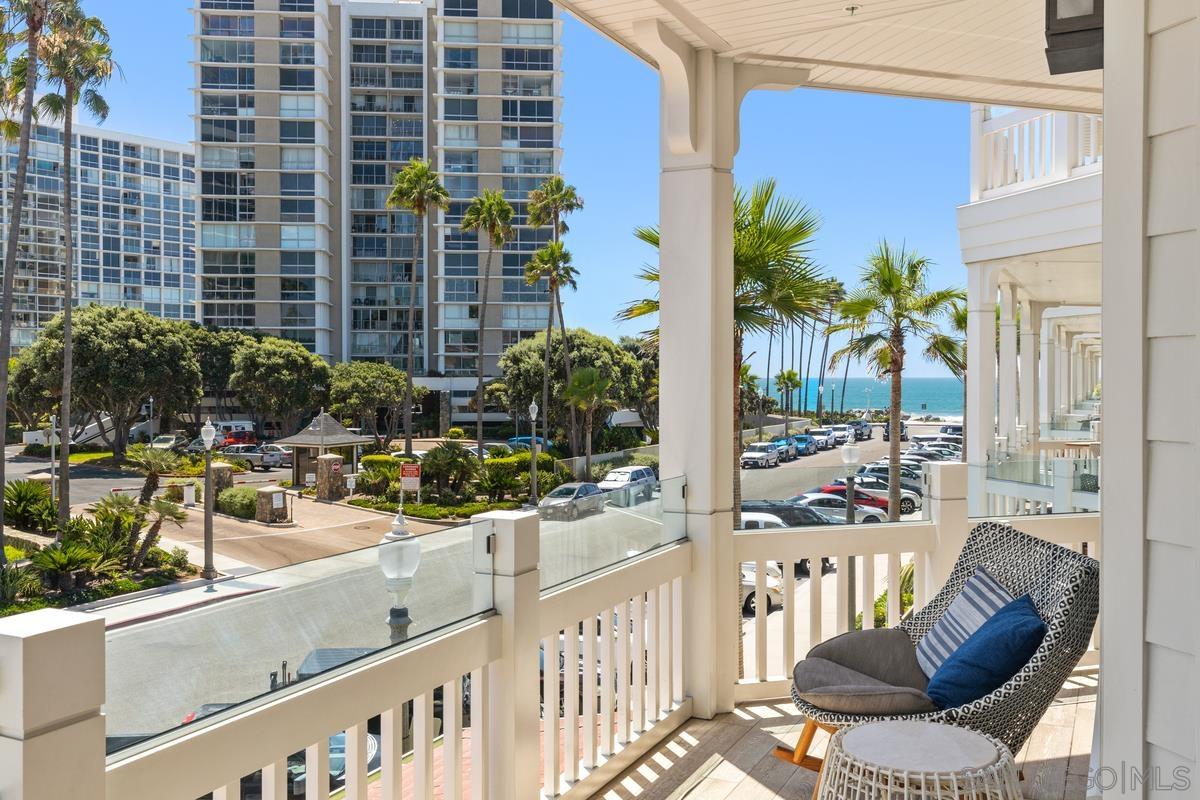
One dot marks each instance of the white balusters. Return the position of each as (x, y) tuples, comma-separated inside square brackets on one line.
[(638, 709), (844, 563), (571, 688), (607, 675), (761, 603), (452, 746), (893, 590), (867, 591), (479, 728), (316, 772), (274, 781), (623, 672), (789, 616), (590, 688), (391, 744), (814, 601), (550, 700), (356, 762)]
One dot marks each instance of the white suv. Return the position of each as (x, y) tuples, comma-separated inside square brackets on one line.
[(760, 454), (636, 483)]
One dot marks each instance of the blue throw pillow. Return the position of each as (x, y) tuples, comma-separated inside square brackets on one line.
[(980, 598), (989, 656)]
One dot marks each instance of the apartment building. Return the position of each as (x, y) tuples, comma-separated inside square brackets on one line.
[(134, 226), (307, 108)]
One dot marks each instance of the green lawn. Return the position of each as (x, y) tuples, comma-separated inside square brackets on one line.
[(83, 458)]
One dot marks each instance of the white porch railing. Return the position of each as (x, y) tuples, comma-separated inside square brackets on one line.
[(550, 693), (1029, 147)]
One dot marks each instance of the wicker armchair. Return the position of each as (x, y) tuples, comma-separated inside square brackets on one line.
[(1065, 587)]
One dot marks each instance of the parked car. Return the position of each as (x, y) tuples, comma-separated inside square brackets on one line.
[(197, 445), (843, 434), (169, 441), (910, 501), (337, 764), (929, 454), (787, 448), (861, 498), (792, 514), (760, 454), (241, 437), (571, 501), (953, 430), (947, 452), (285, 453), (910, 478), (525, 442), (256, 456), (805, 444), (887, 432), (417, 454), (863, 429), (774, 587), (824, 436), (636, 484), (833, 508)]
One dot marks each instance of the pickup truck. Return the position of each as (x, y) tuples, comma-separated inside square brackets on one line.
[(256, 456)]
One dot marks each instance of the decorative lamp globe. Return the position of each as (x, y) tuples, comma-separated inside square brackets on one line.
[(399, 558), (208, 433), (850, 454)]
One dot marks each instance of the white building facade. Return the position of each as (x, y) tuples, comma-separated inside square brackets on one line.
[(135, 231)]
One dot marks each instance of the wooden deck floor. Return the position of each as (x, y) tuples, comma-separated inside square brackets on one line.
[(730, 756)]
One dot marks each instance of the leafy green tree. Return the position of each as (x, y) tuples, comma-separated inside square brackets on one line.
[(215, 349), (491, 214), (549, 204), (279, 378), (522, 368), (28, 399), (362, 389), (416, 188), (589, 392), (892, 304), (645, 399), (552, 264), (78, 62), (123, 357)]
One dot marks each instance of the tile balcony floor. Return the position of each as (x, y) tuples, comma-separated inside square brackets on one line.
[(730, 756)]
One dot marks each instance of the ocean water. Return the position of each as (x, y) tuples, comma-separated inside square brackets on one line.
[(920, 396)]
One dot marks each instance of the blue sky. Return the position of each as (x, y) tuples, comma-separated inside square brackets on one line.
[(871, 166)]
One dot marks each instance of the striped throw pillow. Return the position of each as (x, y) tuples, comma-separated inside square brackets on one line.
[(980, 598)]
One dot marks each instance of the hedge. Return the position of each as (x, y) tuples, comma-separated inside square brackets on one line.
[(382, 462), (431, 511), (238, 501)]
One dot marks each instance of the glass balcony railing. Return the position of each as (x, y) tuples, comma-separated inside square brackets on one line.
[(277, 628)]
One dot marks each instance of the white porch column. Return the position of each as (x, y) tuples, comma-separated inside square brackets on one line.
[(1047, 376), (700, 97), (51, 690), (1063, 392), (1007, 379), (981, 381), (1031, 322)]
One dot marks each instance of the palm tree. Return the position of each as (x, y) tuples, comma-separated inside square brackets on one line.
[(773, 279), (955, 358), (159, 511), (416, 188), (891, 304), (492, 214), (33, 14), (836, 292), (78, 60), (553, 264), (553, 200), (787, 381), (750, 384), (588, 391), (155, 463)]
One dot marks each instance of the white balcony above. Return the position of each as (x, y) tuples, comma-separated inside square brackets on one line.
[(1035, 185)]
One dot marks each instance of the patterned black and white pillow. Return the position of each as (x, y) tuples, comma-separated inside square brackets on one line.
[(980, 598)]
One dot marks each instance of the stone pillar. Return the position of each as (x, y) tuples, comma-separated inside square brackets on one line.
[(272, 505), (981, 381), (51, 690), (222, 477), (1007, 380), (331, 482)]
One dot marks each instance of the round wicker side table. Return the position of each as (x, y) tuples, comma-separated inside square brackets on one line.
[(895, 759)]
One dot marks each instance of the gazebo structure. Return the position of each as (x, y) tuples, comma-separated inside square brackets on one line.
[(321, 435)]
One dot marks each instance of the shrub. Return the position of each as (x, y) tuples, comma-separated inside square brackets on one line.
[(174, 491), (519, 462), (238, 501), (381, 462), (456, 433), (178, 558), (18, 582), (35, 450), (62, 565), (497, 480), (25, 502)]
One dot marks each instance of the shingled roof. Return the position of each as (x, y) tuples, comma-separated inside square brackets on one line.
[(323, 433)]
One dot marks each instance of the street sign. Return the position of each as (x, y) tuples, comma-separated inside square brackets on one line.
[(351, 481), (277, 500), (310, 478), (337, 467), (410, 477)]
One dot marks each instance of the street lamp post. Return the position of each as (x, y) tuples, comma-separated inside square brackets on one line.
[(53, 425), (208, 434), (152, 418), (850, 456), (533, 453), (399, 558)]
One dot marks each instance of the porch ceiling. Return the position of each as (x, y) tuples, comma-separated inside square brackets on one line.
[(1070, 276), (985, 51)]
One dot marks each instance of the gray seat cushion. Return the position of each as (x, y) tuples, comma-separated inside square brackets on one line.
[(872, 672)]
